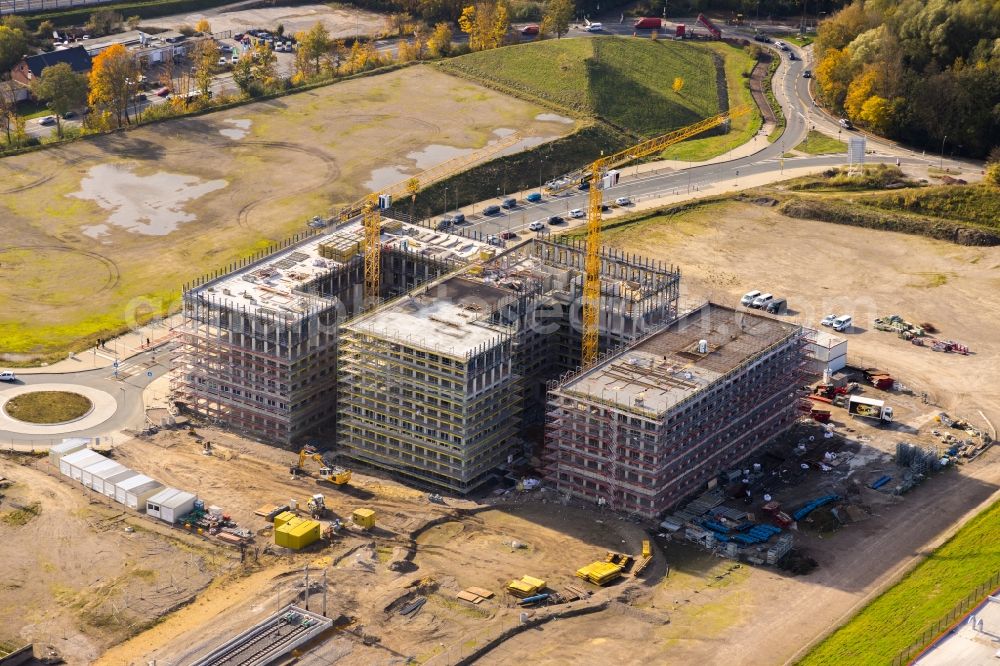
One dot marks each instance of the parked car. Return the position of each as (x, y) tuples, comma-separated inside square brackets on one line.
[(843, 323), (845, 123), (507, 235), (623, 201), (162, 92), (777, 306), (7, 376), (509, 203), (537, 225), (235, 57), (444, 224), (222, 61), (534, 197), (494, 240), (761, 301), (47, 120), (69, 114), (584, 185), (555, 219), (492, 210), (140, 97), (748, 297), (828, 320), (577, 213), (458, 218)]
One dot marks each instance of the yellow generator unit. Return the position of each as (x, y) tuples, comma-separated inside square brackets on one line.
[(364, 518), (297, 533), (283, 518)]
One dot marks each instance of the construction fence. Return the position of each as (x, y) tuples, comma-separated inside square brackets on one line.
[(957, 614)]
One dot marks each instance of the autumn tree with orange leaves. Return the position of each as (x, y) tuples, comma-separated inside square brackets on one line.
[(114, 82)]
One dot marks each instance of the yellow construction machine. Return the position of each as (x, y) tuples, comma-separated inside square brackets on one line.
[(328, 473)]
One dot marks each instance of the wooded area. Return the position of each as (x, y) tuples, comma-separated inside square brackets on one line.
[(926, 72)]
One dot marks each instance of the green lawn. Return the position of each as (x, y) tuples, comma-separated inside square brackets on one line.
[(737, 61), (797, 39), (817, 143), (623, 81), (898, 617)]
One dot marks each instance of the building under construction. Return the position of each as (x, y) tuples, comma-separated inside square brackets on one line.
[(438, 381), (439, 384), (654, 421)]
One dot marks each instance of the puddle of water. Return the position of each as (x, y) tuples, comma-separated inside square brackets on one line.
[(150, 205), (554, 118), (435, 154), (386, 176), (96, 231), (241, 127)]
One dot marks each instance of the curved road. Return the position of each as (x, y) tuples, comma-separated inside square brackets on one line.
[(801, 113)]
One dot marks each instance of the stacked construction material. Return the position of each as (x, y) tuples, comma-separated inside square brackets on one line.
[(339, 247), (526, 587), (600, 573)]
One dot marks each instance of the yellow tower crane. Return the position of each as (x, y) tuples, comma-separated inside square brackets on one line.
[(592, 263), (370, 206)]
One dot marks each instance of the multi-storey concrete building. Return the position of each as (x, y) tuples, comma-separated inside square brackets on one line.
[(653, 422)]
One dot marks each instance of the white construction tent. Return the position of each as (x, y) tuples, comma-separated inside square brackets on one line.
[(134, 491)]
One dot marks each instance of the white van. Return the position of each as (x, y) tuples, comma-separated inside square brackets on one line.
[(761, 300), (843, 323), (748, 297)]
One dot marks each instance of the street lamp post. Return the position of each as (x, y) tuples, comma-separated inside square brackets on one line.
[(445, 201), (942, 150)]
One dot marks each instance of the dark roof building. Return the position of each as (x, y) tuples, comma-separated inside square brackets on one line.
[(32, 66)]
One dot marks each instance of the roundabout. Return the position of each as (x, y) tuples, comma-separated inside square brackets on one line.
[(54, 409)]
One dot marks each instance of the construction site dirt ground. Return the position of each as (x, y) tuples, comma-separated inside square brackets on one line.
[(74, 578), (198, 193), (704, 609)]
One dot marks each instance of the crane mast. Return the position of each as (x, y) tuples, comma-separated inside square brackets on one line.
[(592, 262)]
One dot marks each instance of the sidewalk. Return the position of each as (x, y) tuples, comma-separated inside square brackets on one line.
[(123, 347)]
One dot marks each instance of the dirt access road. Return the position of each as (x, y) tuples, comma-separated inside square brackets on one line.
[(74, 578)]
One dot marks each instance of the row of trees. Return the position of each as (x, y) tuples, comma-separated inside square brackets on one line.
[(923, 71)]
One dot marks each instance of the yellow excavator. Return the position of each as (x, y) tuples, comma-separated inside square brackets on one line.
[(328, 473)]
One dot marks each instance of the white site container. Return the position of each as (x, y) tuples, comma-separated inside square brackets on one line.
[(66, 447), (170, 504), (88, 477), (72, 465), (134, 492), (111, 481)]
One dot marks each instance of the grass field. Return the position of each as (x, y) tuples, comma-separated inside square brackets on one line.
[(817, 143), (102, 233), (47, 406), (977, 204), (899, 616), (626, 82), (737, 62)]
